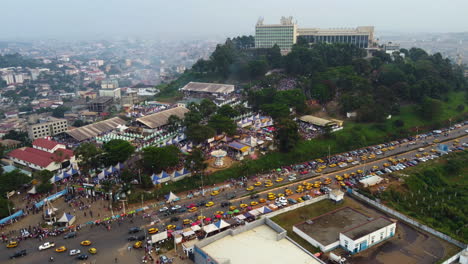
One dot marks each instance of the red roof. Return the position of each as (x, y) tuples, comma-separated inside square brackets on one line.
[(39, 157), (45, 143)]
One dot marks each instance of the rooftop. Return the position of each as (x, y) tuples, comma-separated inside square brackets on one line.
[(92, 130), (39, 157), (258, 245), (101, 100), (45, 143), (208, 87), (367, 228), (316, 120), (326, 228), (160, 119)]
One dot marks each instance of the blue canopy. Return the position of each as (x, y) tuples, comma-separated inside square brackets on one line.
[(155, 179), (11, 217), (165, 175)]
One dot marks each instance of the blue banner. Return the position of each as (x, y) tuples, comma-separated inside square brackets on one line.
[(11, 217), (51, 198)]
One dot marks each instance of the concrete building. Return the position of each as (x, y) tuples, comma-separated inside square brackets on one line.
[(9, 78), (109, 84), (114, 93), (47, 129), (19, 78), (44, 155), (345, 228), (286, 34), (261, 241), (100, 104), (283, 34)]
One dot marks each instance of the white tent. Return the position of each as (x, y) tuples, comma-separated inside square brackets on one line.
[(33, 190), (255, 212), (189, 232), (195, 227), (210, 228), (172, 197), (370, 181), (240, 217), (68, 219), (221, 224), (158, 237)]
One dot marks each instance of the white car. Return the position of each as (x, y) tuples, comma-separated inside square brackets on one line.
[(163, 209), (74, 252), (175, 207), (46, 245)]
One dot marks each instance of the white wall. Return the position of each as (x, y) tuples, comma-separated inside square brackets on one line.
[(372, 238), (314, 242)]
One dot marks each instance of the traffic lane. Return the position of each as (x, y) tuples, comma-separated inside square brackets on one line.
[(292, 186), (110, 244)]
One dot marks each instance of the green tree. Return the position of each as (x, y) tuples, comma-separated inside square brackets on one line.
[(430, 109), (257, 68), (146, 181), (44, 187), (43, 175), (5, 207), (227, 111), (174, 123), (79, 123), (199, 133), (117, 150), (207, 108), (60, 111), (222, 124), (156, 159), (12, 180), (287, 135), (195, 162), (89, 157), (17, 135)]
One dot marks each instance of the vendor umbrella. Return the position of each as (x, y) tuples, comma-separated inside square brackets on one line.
[(278, 169), (207, 219), (218, 216), (236, 211), (230, 212)]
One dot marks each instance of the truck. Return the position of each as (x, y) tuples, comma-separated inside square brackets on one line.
[(46, 245), (337, 259)]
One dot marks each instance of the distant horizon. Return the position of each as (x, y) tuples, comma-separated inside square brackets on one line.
[(150, 19)]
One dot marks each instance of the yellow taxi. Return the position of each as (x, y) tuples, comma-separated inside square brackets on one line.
[(327, 181), (92, 250), (299, 200), (12, 244), (279, 180), (250, 188), (384, 149), (364, 158), (271, 197), (262, 200), (232, 207), (436, 141), (258, 184), (219, 212), (209, 204), (170, 227), (243, 205), (269, 184), (391, 148), (61, 249), (319, 160), (375, 167), (323, 167), (137, 244), (193, 209), (338, 178), (85, 243), (253, 203), (359, 171), (201, 217), (153, 230), (386, 165), (318, 170), (309, 187), (187, 221), (346, 176), (280, 194), (214, 193), (332, 165)]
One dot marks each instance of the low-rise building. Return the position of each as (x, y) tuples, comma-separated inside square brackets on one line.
[(345, 228), (100, 104), (50, 128), (44, 155)]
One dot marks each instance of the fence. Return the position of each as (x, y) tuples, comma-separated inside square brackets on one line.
[(408, 220), (298, 205)]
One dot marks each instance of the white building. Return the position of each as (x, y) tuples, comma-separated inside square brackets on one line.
[(9, 78), (346, 228), (114, 93)]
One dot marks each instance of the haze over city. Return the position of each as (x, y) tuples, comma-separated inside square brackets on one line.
[(31, 19)]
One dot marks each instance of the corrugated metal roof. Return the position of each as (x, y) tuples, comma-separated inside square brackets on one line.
[(92, 130), (316, 120), (208, 87), (160, 119)]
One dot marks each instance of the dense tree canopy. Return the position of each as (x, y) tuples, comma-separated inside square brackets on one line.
[(117, 150), (157, 159)]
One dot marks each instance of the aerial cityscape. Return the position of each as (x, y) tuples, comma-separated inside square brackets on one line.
[(166, 133)]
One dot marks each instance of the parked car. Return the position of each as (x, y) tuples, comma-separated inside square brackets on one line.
[(134, 230), (74, 252), (70, 235)]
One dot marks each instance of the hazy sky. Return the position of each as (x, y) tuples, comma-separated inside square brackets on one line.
[(32, 19)]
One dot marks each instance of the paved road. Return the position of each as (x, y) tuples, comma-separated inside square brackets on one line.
[(110, 244)]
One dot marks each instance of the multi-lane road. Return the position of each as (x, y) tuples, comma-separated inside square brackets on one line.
[(113, 244)]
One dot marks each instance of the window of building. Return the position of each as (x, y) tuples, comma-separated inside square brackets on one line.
[(372, 239), (381, 235), (346, 243)]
